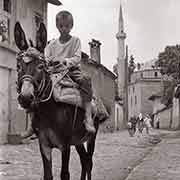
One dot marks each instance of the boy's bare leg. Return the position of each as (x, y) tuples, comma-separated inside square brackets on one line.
[(89, 123)]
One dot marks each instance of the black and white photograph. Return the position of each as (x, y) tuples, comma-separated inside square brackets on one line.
[(89, 90)]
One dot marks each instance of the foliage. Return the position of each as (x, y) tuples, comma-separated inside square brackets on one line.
[(131, 67), (169, 62), (168, 92), (3, 28)]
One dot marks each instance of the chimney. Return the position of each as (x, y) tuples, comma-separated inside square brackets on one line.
[(95, 50)]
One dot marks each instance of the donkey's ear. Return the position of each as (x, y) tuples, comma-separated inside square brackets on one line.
[(41, 38), (20, 37)]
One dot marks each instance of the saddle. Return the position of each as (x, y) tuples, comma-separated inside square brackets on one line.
[(67, 91)]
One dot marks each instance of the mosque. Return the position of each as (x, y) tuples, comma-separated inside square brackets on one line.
[(133, 93)]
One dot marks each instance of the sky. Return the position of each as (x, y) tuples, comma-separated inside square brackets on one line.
[(150, 25)]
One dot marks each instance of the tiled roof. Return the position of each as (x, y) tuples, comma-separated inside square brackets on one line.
[(88, 60)]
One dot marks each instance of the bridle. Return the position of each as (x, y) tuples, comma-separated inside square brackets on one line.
[(41, 88), (40, 93)]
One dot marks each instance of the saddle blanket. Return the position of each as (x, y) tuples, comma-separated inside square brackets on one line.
[(66, 91)]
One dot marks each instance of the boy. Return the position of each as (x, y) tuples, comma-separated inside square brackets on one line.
[(67, 50)]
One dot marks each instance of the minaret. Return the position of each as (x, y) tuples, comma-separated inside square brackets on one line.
[(121, 36)]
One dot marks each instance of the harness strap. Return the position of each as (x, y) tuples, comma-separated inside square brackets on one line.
[(76, 107)]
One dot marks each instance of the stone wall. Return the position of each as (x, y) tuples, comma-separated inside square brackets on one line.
[(164, 118), (104, 87), (138, 94)]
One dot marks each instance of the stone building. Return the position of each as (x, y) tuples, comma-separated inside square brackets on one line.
[(103, 81), (142, 85), (30, 14)]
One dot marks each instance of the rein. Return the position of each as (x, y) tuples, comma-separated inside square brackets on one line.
[(41, 88)]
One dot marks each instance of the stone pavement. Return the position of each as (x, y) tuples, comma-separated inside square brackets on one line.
[(116, 155), (162, 163)]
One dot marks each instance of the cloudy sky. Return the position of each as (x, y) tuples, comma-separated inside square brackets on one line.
[(150, 25)]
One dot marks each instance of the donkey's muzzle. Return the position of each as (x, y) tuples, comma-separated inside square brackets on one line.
[(26, 101)]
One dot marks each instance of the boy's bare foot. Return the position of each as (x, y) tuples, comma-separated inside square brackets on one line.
[(27, 134), (90, 127)]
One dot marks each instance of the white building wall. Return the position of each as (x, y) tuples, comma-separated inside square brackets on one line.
[(134, 99), (176, 113), (4, 106), (118, 116)]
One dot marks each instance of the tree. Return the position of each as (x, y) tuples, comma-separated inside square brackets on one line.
[(169, 62), (131, 67)]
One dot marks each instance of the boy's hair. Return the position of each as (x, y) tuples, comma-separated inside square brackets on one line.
[(65, 15)]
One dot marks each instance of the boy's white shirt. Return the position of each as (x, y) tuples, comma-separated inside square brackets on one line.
[(69, 51)]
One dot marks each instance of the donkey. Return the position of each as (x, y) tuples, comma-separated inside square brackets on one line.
[(58, 125)]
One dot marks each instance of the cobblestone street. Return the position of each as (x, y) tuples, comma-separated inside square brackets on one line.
[(115, 157), (163, 163)]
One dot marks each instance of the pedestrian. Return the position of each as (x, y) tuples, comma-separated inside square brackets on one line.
[(147, 123), (140, 122), (157, 122), (132, 125)]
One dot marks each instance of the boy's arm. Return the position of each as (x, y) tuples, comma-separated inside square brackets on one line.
[(47, 52), (76, 58)]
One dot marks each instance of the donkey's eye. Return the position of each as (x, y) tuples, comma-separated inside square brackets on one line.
[(40, 67)]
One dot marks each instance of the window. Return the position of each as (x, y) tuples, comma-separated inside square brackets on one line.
[(7, 6), (131, 101), (155, 74), (4, 29), (141, 75), (133, 89), (135, 100), (5, 17), (117, 115), (38, 20)]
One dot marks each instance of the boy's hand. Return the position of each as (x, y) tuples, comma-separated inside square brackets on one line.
[(64, 62)]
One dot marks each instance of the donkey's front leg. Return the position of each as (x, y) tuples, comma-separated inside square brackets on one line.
[(46, 154), (65, 163), (83, 159)]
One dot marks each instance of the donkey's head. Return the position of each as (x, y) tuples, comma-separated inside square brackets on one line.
[(31, 65)]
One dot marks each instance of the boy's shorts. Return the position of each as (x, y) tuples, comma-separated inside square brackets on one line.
[(84, 82)]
